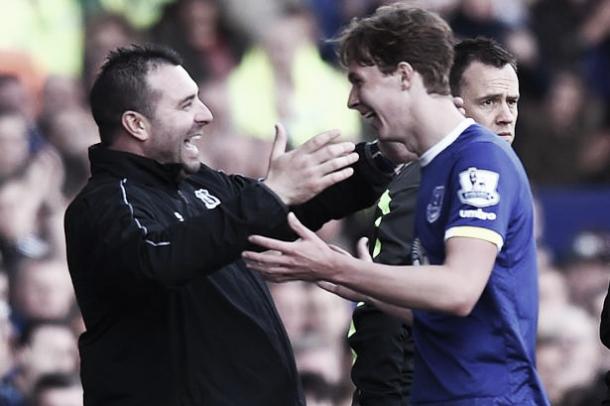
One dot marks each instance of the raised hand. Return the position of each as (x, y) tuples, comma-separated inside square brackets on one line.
[(302, 173)]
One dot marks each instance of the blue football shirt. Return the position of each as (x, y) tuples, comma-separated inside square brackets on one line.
[(473, 185)]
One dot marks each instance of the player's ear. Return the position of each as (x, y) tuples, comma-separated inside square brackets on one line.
[(406, 71), (135, 124)]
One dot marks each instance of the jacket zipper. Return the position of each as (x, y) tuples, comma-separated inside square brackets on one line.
[(183, 197)]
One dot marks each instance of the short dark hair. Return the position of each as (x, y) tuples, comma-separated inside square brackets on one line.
[(121, 85), (480, 49), (398, 33)]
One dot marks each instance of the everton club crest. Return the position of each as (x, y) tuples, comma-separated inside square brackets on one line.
[(433, 210)]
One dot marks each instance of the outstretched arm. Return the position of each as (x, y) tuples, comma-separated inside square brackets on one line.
[(125, 221), (453, 287)]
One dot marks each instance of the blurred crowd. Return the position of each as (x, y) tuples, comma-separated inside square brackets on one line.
[(259, 62)]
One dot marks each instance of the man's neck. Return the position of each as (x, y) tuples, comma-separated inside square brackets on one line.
[(436, 117), (125, 144)]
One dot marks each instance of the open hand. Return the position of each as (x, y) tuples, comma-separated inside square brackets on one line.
[(302, 173)]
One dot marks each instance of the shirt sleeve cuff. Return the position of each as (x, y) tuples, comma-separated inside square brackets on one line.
[(476, 232)]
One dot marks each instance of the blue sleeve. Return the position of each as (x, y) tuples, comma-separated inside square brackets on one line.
[(484, 185)]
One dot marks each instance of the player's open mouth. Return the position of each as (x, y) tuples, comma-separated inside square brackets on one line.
[(370, 117), (190, 145)]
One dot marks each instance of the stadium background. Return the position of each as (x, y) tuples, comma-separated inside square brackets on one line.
[(260, 61)]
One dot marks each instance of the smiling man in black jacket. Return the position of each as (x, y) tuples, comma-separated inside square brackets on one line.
[(172, 316)]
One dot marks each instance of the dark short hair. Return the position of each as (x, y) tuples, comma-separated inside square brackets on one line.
[(398, 33), (480, 49), (121, 85)]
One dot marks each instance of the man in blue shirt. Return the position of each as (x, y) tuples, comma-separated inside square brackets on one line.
[(474, 293), (484, 77)]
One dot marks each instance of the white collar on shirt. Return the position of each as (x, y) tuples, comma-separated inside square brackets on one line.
[(447, 140)]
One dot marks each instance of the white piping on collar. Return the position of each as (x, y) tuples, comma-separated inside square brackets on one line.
[(447, 140)]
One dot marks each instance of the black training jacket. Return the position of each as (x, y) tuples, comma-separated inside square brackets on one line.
[(383, 369), (172, 316)]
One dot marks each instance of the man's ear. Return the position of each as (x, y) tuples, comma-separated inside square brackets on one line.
[(135, 124), (406, 72)]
